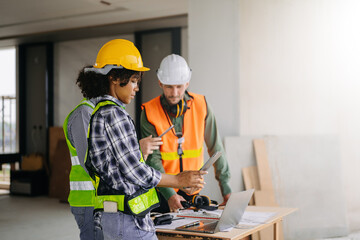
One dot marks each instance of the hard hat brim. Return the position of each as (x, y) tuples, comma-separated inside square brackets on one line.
[(142, 69), (106, 69)]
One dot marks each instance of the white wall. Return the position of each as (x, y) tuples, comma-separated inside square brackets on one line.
[(297, 166), (213, 58), (282, 67), (70, 57), (299, 75)]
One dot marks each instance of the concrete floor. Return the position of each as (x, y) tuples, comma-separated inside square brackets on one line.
[(35, 218), (43, 218)]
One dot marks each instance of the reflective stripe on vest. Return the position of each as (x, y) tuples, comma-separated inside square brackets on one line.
[(194, 128), (139, 205), (168, 156), (144, 201), (81, 185), (75, 160), (82, 191)]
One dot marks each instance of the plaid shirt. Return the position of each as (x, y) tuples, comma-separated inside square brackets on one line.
[(114, 153)]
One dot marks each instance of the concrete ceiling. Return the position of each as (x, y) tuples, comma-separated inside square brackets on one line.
[(23, 21)]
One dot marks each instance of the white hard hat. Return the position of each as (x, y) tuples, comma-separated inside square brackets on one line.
[(174, 70)]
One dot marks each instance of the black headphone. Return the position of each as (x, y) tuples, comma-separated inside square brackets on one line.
[(178, 109), (201, 202)]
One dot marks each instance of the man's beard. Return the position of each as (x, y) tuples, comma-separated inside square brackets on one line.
[(178, 100)]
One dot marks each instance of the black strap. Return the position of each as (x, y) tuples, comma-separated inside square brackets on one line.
[(180, 151)]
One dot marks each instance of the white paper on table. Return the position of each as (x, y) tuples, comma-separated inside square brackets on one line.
[(251, 219), (205, 214)]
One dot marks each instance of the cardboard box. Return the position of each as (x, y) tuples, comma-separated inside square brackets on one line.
[(32, 162), (59, 185)]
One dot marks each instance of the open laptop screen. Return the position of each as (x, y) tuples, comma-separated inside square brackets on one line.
[(230, 217)]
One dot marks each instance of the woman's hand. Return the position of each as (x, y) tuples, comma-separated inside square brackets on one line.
[(149, 144)]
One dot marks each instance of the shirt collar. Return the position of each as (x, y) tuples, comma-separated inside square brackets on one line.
[(109, 98)]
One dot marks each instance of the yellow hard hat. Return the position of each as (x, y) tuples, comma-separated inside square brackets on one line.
[(119, 53)]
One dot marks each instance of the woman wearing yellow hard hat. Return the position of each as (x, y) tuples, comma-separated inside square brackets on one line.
[(124, 184)]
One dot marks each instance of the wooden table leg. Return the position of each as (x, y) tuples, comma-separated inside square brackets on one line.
[(277, 230)]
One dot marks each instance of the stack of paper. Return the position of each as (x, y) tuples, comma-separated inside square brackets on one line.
[(251, 219), (203, 214)]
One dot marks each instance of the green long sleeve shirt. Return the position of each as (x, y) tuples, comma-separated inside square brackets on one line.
[(212, 141)]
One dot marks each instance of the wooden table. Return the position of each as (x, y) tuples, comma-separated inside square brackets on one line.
[(234, 233)]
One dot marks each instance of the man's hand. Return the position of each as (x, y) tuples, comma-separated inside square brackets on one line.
[(149, 144), (191, 179), (226, 198), (190, 191), (175, 202), (186, 179)]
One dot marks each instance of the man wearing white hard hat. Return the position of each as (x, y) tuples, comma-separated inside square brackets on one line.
[(194, 122)]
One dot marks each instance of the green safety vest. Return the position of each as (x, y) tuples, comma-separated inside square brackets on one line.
[(82, 191), (138, 204)]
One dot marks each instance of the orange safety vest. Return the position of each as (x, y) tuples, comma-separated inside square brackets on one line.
[(194, 127)]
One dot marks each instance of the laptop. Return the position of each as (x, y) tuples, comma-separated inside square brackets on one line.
[(230, 217)]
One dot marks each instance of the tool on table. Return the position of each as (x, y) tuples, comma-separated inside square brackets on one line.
[(165, 219)]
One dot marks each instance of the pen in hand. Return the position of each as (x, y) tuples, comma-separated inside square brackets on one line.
[(166, 131)]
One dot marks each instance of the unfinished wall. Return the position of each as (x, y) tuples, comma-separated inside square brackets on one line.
[(305, 175), (282, 67), (299, 75)]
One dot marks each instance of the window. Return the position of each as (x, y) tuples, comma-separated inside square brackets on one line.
[(8, 115)]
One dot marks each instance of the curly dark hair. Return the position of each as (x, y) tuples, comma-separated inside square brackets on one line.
[(93, 84)]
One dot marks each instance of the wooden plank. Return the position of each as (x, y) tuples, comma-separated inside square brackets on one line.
[(265, 198), (266, 195), (251, 180), (263, 165)]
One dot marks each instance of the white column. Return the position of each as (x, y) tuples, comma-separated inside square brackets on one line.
[(214, 58)]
